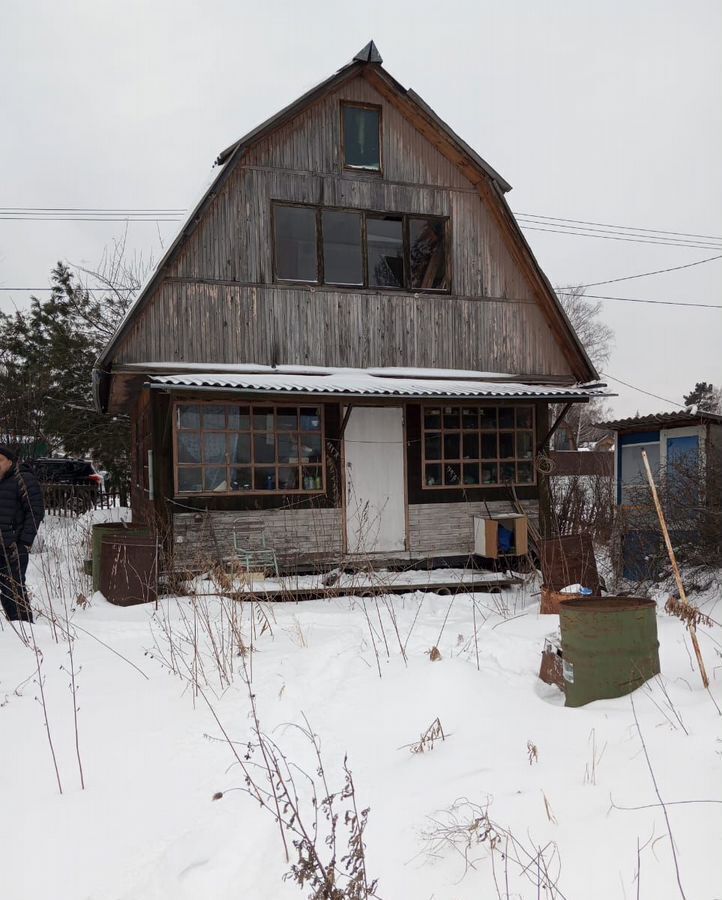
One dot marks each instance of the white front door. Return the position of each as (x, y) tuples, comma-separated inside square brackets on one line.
[(374, 452)]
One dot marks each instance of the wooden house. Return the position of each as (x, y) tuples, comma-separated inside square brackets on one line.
[(349, 348)]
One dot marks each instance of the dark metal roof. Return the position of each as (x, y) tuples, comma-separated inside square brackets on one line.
[(369, 53), (680, 419)]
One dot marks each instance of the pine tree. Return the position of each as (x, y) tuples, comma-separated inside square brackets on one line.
[(47, 354), (704, 396)]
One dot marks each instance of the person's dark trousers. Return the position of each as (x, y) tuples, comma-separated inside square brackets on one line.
[(13, 566)]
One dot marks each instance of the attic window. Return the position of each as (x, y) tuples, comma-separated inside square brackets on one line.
[(361, 136)]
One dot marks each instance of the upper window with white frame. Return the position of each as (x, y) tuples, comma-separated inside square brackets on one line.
[(361, 136)]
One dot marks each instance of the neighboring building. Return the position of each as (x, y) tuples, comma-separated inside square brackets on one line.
[(349, 349), (684, 450)]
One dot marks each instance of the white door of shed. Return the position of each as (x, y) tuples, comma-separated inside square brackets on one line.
[(374, 450)]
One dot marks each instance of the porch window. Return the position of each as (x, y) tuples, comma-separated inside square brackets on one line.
[(231, 448), (477, 446), (361, 134)]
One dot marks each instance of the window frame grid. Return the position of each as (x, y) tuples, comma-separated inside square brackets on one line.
[(498, 461), (365, 214), (251, 432)]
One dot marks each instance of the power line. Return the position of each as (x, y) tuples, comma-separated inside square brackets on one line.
[(81, 287), (712, 237), (645, 274), (621, 237), (119, 218), (523, 300), (653, 302), (90, 209), (642, 391)]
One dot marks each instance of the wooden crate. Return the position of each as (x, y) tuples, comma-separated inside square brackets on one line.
[(486, 534)]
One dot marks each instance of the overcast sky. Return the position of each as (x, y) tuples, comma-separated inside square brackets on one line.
[(607, 112)]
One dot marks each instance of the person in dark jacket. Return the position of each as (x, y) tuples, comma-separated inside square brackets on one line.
[(21, 512)]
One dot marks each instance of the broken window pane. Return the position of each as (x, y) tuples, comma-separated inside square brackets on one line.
[(427, 254), (361, 144), (385, 248), (342, 260), (295, 243)]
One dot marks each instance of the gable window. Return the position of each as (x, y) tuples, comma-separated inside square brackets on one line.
[(231, 448), (471, 446), (295, 243), (359, 248), (361, 131)]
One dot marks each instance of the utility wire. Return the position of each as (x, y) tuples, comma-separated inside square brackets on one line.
[(712, 237), (90, 209), (642, 391), (653, 302), (646, 274), (620, 237), (119, 218), (523, 300)]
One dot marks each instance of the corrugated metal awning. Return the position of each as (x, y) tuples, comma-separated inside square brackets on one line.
[(362, 383)]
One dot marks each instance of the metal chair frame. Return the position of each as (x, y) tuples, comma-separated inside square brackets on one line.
[(253, 559)]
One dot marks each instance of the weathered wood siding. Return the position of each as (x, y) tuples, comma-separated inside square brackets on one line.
[(449, 527), (303, 534), (296, 534), (218, 302), (227, 323)]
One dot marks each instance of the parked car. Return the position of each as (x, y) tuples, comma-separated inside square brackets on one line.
[(71, 472)]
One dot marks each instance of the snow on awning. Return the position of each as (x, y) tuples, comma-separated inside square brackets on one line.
[(366, 383)]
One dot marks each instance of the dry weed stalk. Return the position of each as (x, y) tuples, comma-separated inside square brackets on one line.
[(330, 871), (659, 797), (428, 739), (590, 769), (687, 613), (532, 752), (547, 806), (467, 829)]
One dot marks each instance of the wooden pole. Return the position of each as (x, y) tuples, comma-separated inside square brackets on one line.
[(675, 568)]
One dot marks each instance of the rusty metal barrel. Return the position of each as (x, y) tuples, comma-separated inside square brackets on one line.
[(610, 646), (108, 528), (129, 568)]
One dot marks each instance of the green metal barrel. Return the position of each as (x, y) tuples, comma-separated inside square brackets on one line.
[(610, 647), (105, 529)]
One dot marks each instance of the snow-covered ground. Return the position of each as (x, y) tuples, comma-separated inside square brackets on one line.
[(153, 753)]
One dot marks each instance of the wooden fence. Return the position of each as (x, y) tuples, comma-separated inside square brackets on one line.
[(76, 499)]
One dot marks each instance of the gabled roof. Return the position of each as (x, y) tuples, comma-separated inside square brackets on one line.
[(368, 61), (367, 55), (678, 419)]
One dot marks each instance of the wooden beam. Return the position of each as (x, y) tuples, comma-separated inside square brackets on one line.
[(692, 628), (344, 421), (557, 423)]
